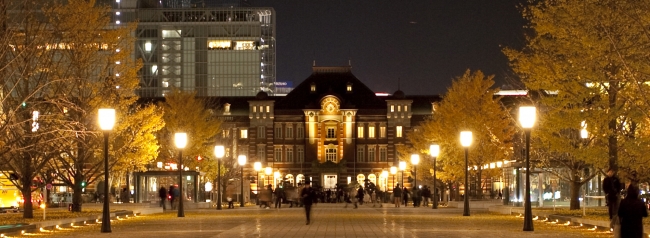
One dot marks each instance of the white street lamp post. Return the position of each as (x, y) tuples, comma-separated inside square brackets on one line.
[(242, 161)]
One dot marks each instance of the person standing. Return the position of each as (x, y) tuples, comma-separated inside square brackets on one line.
[(280, 196), (426, 195), (162, 193), (405, 194), (631, 213), (307, 197), (612, 187), (397, 195)]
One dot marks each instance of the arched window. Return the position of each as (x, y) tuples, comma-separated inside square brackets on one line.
[(289, 178), (372, 178), (361, 178), (300, 179)]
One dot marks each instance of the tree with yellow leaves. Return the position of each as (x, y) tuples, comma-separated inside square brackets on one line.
[(588, 60), (469, 104)]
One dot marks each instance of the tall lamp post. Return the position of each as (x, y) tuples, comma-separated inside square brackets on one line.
[(393, 171), (242, 161), (106, 117), (527, 116), (415, 159), (466, 141), (180, 139), (268, 171), (258, 167), (402, 167), (384, 175), (219, 152), (434, 151)]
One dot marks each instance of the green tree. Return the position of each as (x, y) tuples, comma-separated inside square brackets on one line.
[(469, 104), (588, 59)]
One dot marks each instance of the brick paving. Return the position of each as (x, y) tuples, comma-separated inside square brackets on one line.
[(328, 220)]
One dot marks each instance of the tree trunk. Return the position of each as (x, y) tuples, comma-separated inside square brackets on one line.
[(76, 193), (128, 188), (479, 184), (574, 187), (28, 207)]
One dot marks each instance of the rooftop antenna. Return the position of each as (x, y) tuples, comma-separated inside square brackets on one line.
[(350, 62)]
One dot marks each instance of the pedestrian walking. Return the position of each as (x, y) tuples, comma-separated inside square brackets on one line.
[(359, 197), (612, 187), (426, 195), (266, 196), (307, 196), (162, 193), (171, 197), (631, 213), (397, 195)]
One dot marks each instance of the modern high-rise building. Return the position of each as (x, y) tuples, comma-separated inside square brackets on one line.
[(214, 47)]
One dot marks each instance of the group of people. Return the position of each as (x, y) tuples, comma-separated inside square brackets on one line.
[(630, 211), (173, 195), (401, 196)]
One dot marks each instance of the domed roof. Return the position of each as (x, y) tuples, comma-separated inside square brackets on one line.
[(399, 94), (262, 95)]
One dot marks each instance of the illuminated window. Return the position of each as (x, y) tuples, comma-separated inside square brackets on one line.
[(382, 132), (361, 178), (392, 108), (225, 133), (289, 154), (278, 154), (360, 154), (398, 131), (268, 108), (171, 33), (331, 133), (261, 109), (371, 154), (399, 108), (244, 45), (330, 155), (382, 154), (243, 134), (254, 109), (219, 44), (313, 87), (371, 132), (360, 132), (349, 87), (406, 108)]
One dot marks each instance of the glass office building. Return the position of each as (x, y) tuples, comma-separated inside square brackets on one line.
[(217, 48)]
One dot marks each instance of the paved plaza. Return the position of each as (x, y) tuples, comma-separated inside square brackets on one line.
[(328, 220)]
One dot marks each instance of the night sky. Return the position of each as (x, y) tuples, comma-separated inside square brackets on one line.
[(424, 43)]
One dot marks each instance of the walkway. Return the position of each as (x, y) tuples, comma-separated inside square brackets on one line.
[(329, 220)]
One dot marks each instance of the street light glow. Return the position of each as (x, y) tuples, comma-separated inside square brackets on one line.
[(434, 150), (402, 165), (415, 159), (257, 166), (527, 116), (106, 118), (219, 151), (268, 170), (393, 170), (180, 139), (241, 160), (466, 138)]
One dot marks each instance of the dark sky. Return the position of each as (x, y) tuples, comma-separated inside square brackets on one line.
[(424, 43)]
